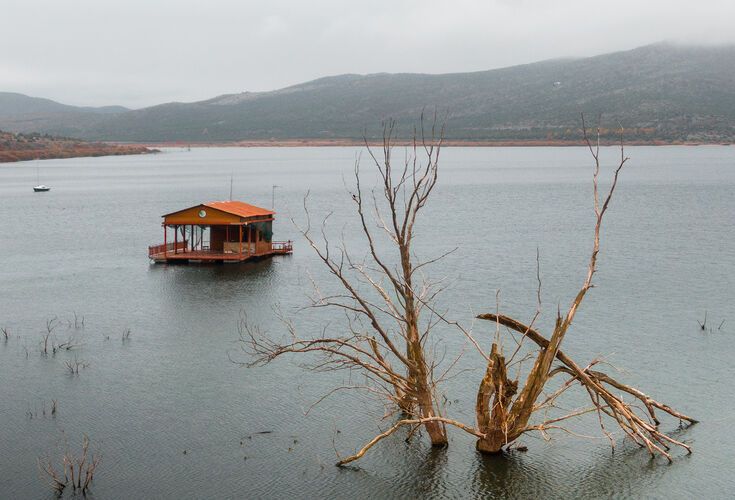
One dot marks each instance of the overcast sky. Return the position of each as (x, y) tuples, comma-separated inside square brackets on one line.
[(143, 52)]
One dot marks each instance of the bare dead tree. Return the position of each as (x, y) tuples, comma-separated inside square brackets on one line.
[(76, 470), (390, 311), (78, 321), (703, 324), (383, 295), (75, 366), (51, 325), (503, 411)]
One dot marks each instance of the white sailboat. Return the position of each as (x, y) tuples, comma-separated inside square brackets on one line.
[(40, 188)]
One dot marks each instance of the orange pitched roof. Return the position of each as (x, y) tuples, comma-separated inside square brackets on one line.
[(239, 208)]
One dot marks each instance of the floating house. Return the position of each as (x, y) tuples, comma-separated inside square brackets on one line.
[(220, 231)]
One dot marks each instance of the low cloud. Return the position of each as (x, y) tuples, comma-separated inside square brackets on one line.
[(138, 53)]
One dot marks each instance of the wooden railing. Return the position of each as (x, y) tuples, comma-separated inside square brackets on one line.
[(156, 249), (282, 246), (231, 248)]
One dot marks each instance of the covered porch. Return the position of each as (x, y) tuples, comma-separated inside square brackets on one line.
[(218, 231)]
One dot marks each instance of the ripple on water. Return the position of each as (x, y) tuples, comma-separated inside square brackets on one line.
[(667, 257)]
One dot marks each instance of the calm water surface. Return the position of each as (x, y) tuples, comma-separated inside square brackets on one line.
[(668, 256)]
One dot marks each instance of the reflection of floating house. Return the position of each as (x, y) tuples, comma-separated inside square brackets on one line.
[(218, 231)]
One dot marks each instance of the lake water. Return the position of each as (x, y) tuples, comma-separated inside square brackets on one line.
[(173, 417)]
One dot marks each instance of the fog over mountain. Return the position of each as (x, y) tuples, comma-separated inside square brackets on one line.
[(664, 91), (139, 53)]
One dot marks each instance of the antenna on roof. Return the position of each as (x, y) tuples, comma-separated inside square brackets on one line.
[(273, 197)]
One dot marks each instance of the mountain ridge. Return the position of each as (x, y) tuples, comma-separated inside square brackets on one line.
[(660, 92)]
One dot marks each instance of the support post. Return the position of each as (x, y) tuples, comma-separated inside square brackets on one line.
[(165, 243), (176, 239), (240, 226)]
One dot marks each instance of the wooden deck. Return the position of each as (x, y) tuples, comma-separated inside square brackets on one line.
[(161, 254)]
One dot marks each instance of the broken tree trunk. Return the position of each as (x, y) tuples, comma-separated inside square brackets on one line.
[(492, 420), (643, 431), (502, 420)]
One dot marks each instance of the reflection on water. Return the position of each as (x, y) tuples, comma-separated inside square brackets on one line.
[(667, 256)]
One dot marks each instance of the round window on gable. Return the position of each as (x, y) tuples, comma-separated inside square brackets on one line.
[(202, 213)]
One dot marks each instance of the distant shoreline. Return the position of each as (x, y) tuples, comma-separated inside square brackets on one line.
[(25, 147), (16, 157), (84, 150), (294, 143)]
